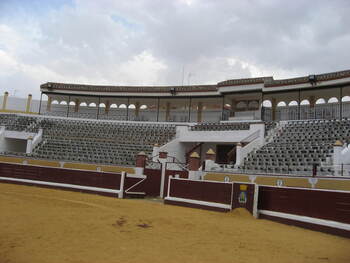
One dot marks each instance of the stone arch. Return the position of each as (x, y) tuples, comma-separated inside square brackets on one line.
[(333, 100), (305, 102), (281, 104), (320, 101), (114, 106), (345, 99), (293, 103), (267, 104)]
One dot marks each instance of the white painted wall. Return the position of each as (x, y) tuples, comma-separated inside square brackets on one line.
[(186, 135), (15, 145)]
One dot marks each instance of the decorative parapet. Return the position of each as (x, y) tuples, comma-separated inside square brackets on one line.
[(130, 89)]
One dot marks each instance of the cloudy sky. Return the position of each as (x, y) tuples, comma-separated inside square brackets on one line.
[(150, 42)]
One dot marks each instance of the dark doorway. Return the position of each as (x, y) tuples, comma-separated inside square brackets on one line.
[(225, 153)]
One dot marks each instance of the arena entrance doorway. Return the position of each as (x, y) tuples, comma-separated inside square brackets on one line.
[(225, 153)]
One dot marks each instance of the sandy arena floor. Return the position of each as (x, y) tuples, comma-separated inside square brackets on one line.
[(43, 225)]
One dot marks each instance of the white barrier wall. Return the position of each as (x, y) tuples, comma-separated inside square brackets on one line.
[(186, 135)]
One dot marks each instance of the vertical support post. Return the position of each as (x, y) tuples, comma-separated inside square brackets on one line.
[(163, 156), (127, 109), (255, 201), (299, 113), (121, 188), (223, 107), (41, 98), (137, 109), (262, 111), (194, 163), (273, 108), (341, 103), (158, 109), (337, 157), (48, 105), (141, 160), (98, 107), (29, 102), (169, 182), (68, 106), (189, 110), (238, 154), (167, 111), (199, 111), (4, 100)]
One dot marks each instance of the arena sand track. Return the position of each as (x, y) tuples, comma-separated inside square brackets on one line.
[(43, 225)]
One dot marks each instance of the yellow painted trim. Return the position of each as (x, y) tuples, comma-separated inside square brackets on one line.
[(290, 182), (117, 169), (334, 184), (81, 166), (8, 159), (43, 163), (221, 177)]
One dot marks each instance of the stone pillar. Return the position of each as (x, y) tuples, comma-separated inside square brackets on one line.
[(29, 144), (273, 108), (48, 105), (312, 101), (167, 111), (199, 111), (233, 107), (77, 104), (4, 101), (162, 159), (155, 152), (29, 102), (210, 157), (194, 163), (122, 182), (137, 109), (108, 106), (141, 159), (238, 154), (337, 157)]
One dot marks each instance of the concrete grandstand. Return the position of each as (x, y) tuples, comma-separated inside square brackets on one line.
[(289, 133)]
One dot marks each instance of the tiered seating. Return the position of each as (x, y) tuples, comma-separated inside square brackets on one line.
[(16, 123), (216, 126), (298, 146), (94, 141)]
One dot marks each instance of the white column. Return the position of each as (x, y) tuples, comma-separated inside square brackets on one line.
[(337, 157), (122, 180), (163, 156), (238, 154), (29, 145)]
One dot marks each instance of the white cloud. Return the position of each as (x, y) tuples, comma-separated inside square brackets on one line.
[(144, 42)]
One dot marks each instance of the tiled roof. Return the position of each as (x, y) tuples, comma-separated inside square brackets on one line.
[(247, 81), (305, 79), (131, 89), (266, 81)]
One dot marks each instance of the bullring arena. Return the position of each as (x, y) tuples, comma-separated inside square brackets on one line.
[(245, 170)]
